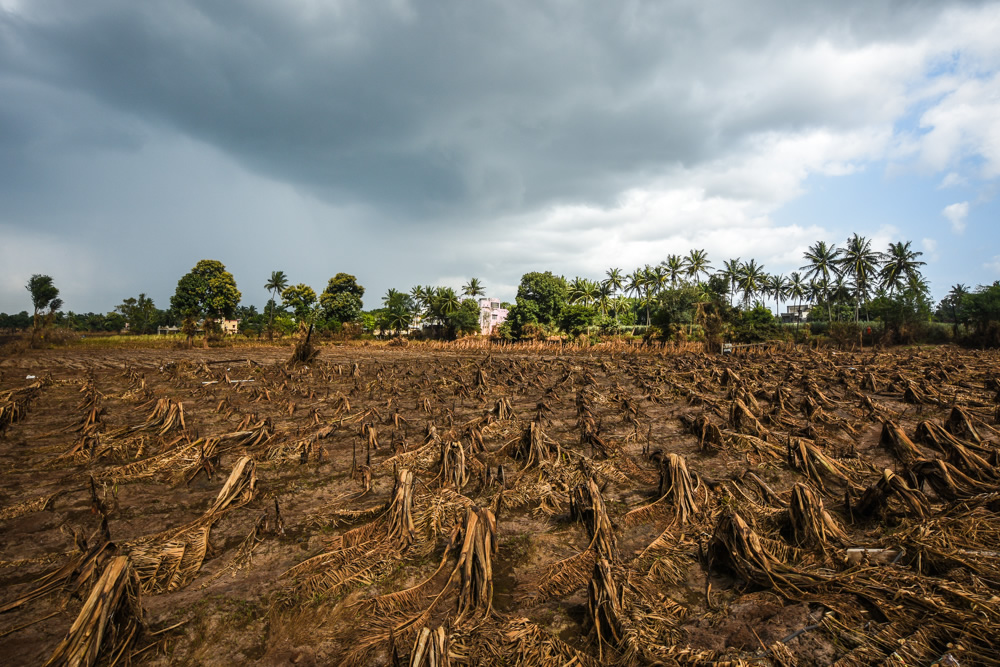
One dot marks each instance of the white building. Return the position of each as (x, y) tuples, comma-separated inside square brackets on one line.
[(491, 315)]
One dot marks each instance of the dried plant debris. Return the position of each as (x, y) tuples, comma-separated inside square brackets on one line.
[(463, 504)]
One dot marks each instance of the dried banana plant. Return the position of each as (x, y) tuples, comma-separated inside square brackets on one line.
[(587, 505), (170, 560), (430, 648), (964, 456), (948, 482), (503, 409), (677, 489), (807, 458), (896, 441), (606, 611), (453, 467), (961, 425), (709, 435), (812, 526), (874, 502), (109, 621), (742, 420), (535, 447), (76, 574), (400, 512), (15, 403), (756, 559)]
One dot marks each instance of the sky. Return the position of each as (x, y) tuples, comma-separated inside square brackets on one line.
[(426, 143)]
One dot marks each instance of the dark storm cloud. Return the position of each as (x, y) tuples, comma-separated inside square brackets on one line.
[(421, 106), (410, 142)]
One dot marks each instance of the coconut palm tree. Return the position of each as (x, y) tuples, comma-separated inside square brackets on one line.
[(861, 264), (676, 268), (901, 266), (276, 284), (473, 289), (778, 287), (697, 264), (822, 264), (797, 291), (751, 280), (591, 292), (577, 290), (615, 280), (730, 271)]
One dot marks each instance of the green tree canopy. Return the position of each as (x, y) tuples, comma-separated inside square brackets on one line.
[(140, 314), (300, 298), (341, 300), (540, 299), (208, 291)]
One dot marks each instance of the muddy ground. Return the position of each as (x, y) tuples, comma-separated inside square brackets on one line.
[(319, 551)]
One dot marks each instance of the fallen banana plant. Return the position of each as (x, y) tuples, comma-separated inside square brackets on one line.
[(109, 621), (170, 560)]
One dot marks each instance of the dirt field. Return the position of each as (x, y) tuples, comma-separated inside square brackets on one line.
[(499, 507)]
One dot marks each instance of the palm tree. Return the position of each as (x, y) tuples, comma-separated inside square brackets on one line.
[(860, 262), (731, 273), (275, 285), (473, 289), (697, 264), (443, 302), (751, 280), (604, 295), (779, 288), (822, 263), (901, 266), (797, 291), (390, 294), (615, 280), (577, 290), (591, 291), (676, 268)]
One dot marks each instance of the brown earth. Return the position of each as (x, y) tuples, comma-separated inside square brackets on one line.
[(97, 437)]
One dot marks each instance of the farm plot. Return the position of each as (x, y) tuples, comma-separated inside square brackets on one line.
[(407, 506)]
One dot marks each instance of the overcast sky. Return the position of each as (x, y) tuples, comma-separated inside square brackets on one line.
[(428, 142)]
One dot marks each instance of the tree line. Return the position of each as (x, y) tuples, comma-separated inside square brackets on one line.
[(684, 296)]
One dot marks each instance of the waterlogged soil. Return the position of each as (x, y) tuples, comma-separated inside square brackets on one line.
[(90, 458)]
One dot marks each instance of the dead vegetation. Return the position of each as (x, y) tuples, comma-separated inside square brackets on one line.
[(466, 505)]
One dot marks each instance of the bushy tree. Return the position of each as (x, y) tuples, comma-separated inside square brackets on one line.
[(207, 291), (300, 298), (540, 299), (140, 313), (576, 319), (341, 300)]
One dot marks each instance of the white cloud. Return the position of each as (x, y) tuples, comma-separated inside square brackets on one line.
[(956, 215), (952, 180), (994, 265)]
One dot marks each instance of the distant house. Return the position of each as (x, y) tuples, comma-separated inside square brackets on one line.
[(229, 328), (797, 313), (491, 315)]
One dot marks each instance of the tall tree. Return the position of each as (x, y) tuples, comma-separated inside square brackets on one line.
[(731, 273), (901, 266), (300, 298), (473, 289), (138, 313), (676, 268), (751, 280), (341, 300), (207, 291), (44, 294), (797, 292), (276, 284), (697, 264), (822, 264), (861, 264), (778, 287), (615, 280)]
